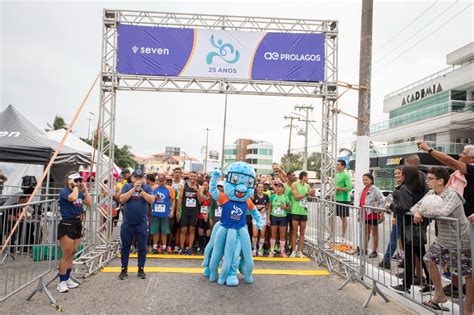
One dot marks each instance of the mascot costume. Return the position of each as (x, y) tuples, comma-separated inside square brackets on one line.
[(230, 238)]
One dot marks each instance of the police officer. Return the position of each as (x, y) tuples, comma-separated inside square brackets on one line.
[(135, 196)]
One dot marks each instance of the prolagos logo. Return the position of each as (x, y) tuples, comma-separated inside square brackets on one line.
[(226, 52)]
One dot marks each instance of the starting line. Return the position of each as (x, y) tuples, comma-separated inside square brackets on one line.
[(155, 269), (200, 257)]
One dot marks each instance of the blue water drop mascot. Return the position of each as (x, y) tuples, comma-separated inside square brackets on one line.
[(230, 238)]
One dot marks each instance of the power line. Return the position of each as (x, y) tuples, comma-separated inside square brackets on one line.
[(417, 32), (407, 26), (424, 38)]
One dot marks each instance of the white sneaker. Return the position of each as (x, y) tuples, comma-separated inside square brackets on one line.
[(260, 253), (71, 284), (62, 287), (299, 254), (293, 254), (254, 252)]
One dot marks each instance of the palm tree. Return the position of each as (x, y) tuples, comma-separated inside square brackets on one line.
[(58, 123)]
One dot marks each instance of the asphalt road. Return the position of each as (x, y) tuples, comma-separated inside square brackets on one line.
[(181, 293)]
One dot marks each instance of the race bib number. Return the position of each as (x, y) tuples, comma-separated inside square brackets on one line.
[(159, 208), (218, 212), (204, 209), (303, 203), (278, 211), (190, 202)]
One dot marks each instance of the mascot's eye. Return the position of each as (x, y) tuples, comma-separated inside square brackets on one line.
[(235, 179), (250, 183)]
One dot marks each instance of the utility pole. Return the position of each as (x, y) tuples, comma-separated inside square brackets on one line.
[(206, 156), (365, 70), (306, 108), (288, 154)]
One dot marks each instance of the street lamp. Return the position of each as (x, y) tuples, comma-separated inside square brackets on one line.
[(89, 128)]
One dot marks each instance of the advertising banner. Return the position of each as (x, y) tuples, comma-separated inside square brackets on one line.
[(184, 52)]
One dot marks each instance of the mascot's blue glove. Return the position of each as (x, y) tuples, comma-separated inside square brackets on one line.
[(213, 183), (257, 217)]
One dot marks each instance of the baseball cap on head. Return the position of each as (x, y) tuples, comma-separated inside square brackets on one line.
[(125, 171), (74, 176), (138, 173), (220, 183)]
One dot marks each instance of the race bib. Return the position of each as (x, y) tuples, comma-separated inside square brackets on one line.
[(218, 212), (278, 211), (204, 209), (190, 202), (159, 208), (303, 203)]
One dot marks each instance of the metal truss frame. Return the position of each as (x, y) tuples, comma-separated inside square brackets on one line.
[(111, 82)]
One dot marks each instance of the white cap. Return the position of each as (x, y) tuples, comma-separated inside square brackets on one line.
[(74, 176), (220, 183)]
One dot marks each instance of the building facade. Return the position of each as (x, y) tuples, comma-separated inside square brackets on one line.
[(438, 109), (259, 154)]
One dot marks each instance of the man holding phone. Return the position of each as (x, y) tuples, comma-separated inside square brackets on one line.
[(135, 196)]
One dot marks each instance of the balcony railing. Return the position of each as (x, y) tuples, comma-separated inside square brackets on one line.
[(411, 147), (421, 114)]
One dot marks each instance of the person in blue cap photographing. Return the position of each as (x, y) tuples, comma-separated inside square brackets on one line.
[(135, 196)]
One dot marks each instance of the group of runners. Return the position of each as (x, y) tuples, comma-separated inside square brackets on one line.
[(183, 212)]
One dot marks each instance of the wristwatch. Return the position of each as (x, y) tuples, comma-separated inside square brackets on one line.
[(430, 150)]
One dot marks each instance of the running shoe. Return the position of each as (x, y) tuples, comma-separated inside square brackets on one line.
[(254, 252), (154, 251), (277, 248), (427, 289), (141, 273), (384, 264), (399, 289), (190, 252), (283, 254), (176, 249), (270, 255), (181, 251), (293, 254), (169, 250), (71, 284), (299, 254), (446, 275), (160, 250), (260, 253), (123, 274), (62, 287), (373, 255)]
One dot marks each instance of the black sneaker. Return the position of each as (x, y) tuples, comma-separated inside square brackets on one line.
[(384, 264), (154, 251), (399, 289), (123, 274), (141, 273), (427, 289)]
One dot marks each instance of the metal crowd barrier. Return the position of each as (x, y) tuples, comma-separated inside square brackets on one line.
[(32, 251), (352, 256)]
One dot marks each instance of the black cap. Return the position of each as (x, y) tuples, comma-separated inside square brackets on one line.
[(138, 173)]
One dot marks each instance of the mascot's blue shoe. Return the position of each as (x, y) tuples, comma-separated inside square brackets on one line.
[(232, 281), (207, 272)]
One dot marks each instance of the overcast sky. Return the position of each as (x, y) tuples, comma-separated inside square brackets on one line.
[(50, 54)]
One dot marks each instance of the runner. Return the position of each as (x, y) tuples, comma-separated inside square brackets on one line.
[(261, 201), (204, 227), (216, 208), (161, 214), (177, 184), (343, 189), (190, 197), (290, 176), (299, 213), (279, 204)]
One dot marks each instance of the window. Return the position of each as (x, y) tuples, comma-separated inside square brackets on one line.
[(430, 137)]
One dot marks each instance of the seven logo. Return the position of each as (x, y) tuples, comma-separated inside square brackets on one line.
[(236, 211), (135, 49), (224, 49)]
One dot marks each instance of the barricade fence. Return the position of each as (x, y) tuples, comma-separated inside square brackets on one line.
[(373, 247), (32, 251)]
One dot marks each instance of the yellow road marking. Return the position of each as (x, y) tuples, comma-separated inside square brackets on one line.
[(289, 272), (200, 257)]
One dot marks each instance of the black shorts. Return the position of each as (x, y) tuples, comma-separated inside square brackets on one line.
[(299, 217), (203, 224), (372, 221), (71, 228), (278, 221), (342, 211), (188, 219)]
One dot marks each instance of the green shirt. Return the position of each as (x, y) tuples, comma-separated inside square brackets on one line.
[(299, 206), (277, 201), (289, 193), (343, 180)]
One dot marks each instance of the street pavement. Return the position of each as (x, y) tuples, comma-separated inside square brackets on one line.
[(182, 293)]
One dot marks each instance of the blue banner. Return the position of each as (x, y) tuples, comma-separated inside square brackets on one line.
[(160, 51)]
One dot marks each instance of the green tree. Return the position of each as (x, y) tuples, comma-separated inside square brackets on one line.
[(296, 162), (58, 123), (122, 155)]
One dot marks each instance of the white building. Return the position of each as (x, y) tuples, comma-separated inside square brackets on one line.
[(259, 154)]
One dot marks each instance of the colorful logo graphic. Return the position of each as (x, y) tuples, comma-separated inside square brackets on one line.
[(224, 50)]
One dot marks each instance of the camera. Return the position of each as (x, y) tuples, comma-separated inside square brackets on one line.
[(78, 180), (138, 188)]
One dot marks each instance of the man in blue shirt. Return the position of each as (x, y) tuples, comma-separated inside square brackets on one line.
[(135, 196)]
